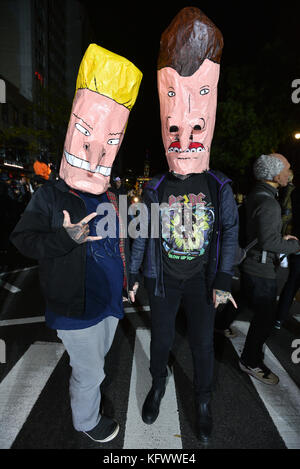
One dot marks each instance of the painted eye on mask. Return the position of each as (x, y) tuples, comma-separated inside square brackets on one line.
[(82, 129), (171, 94), (113, 141), (204, 91)]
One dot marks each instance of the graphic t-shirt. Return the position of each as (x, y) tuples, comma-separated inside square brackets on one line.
[(187, 223)]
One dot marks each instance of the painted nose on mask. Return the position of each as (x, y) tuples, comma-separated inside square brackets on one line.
[(184, 134), (185, 131), (95, 160)]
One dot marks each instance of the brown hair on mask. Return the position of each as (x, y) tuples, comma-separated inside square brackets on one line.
[(190, 39)]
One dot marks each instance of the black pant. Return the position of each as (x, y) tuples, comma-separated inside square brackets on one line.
[(290, 289), (200, 322), (260, 295)]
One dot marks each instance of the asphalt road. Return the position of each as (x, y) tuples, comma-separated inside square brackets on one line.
[(34, 402)]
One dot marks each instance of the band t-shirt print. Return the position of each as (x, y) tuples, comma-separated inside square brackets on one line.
[(187, 218)]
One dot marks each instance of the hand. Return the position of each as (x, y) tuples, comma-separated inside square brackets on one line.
[(79, 232), (287, 237), (132, 292), (221, 297)]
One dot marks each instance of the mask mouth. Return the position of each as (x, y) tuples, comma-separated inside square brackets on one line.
[(85, 165), (194, 147)]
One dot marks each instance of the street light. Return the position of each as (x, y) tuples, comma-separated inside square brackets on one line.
[(297, 135)]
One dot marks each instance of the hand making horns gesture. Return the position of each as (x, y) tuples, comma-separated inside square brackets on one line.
[(79, 232)]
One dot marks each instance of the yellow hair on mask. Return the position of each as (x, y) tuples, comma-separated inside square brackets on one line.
[(109, 74)]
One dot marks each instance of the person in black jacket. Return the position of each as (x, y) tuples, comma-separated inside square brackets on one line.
[(83, 265), (191, 258), (258, 271)]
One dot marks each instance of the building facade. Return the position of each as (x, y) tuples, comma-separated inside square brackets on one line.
[(41, 45)]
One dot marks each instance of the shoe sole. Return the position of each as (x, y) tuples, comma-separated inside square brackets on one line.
[(108, 438), (251, 373)]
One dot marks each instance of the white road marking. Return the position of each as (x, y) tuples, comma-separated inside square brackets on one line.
[(21, 388), (21, 321), (9, 287), (3, 274), (283, 400), (162, 434), (136, 309), (32, 320)]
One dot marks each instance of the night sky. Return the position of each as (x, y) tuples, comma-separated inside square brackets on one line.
[(133, 31)]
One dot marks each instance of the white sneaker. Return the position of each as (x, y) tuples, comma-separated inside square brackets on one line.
[(262, 373)]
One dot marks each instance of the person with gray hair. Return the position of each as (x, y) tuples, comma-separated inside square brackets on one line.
[(258, 271), (266, 167)]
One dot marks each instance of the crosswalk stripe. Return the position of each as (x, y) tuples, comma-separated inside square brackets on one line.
[(136, 309), (21, 321), (21, 388), (163, 434), (35, 319), (282, 400), (3, 274), (9, 287)]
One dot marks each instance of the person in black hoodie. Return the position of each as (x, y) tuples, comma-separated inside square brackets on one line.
[(83, 267)]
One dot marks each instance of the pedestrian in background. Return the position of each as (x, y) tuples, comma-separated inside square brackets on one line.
[(293, 282), (258, 271), (117, 186)]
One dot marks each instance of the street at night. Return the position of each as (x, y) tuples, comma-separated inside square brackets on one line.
[(150, 228), (35, 408)]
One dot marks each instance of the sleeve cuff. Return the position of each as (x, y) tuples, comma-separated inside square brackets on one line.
[(132, 279), (66, 241), (223, 282)]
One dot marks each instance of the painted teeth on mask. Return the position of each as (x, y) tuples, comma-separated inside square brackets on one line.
[(83, 164), (192, 150), (104, 170), (195, 150)]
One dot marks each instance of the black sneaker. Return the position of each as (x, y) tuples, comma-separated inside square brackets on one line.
[(106, 430), (261, 372)]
